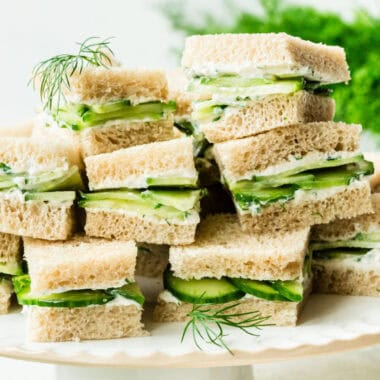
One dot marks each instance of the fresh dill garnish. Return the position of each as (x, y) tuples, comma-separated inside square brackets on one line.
[(206, 324), (5, 168), (53, 74)]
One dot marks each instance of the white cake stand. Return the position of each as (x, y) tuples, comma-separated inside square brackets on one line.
[(329, 324)]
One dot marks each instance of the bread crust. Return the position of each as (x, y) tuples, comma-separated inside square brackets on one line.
[(41, 220), (10, 248), (79, 263), (129, 168), (54, 324), (6, 291), (222, 249), (120, 134), (347, 202), (237, 159), (123, 226), (101, 85), (268, 51), (268, 113)]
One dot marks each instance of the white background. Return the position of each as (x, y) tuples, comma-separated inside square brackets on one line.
[(31, 30)]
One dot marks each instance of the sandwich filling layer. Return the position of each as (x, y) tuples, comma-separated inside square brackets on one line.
[(217, 291), (57, 185), (167, 205), (361, 252), (128, 294), (77, 116), (311, 181), (234, 91)]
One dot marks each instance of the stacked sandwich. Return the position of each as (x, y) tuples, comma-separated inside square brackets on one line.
[(82, 288), (114, 107), (285, 163), (346, 255)]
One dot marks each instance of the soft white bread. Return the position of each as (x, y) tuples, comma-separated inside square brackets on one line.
[(79, 263), (337, 277), (375, 178), (152, 259), (242, 158), (119, 134), (101, 85), (23, 129), (53, 324), (265, 53), (114, 224), (130, 167), (10, 248), (339, 203), (37, 219), (349, 228), (221, 248), (6, 291), (177, 83), (23, 154), (280, 313), (269, 113)]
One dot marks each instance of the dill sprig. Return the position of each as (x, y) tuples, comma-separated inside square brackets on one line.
[(53, 74), (206, 324)]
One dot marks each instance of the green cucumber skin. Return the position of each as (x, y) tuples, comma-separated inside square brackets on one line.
[(291, 290), (73, 298), (260, 289), (181, 289)]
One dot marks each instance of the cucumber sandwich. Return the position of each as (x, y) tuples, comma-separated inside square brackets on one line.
[(296, 176), (267, 273), (250, 83), (346, 254), (10, 265), (147, 193), (38, 180), (110, 106), (81, 289)]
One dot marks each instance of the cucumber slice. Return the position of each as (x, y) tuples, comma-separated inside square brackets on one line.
[(244, 87), (124, 195), (172, 182), (339, 253), (208, 114), (204, 291), (183, 200), (73, 298), (318, 246), (292, 290), (51, 196), (260, 289), (12, 268), (130, 291), (79, 117)]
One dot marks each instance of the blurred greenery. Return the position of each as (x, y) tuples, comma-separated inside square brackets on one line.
[(357, 103)]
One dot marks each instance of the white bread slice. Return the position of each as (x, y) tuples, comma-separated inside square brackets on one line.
[(269, 113), (265, 53), (337, 277), (221, 248), (79, 263), (115, 224), (242, 158), (23, 154), (130, 167), (375, 178), (338, 203), (22, 129), (101, 85), (10, 248), (119, 134), (280, 313), (348, 228), (41, 220), (152, 259), (177, 83), (6, 291), (53, 324)]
